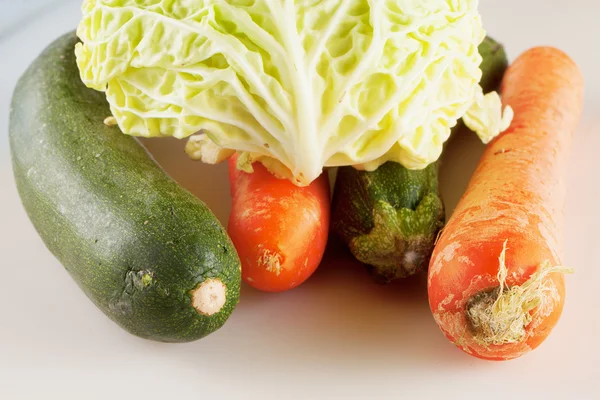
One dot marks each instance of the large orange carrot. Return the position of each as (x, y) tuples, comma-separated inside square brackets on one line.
[(496, 278), (280, 230)]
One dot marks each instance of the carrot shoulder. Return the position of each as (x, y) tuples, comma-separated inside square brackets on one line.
[(496, 284), (280, 230)]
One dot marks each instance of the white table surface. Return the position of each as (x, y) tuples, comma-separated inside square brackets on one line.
[(338, 335)]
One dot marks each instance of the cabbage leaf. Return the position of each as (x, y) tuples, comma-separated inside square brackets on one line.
[(305, 83)]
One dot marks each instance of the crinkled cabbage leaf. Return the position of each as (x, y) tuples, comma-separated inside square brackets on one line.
[(308, 83)]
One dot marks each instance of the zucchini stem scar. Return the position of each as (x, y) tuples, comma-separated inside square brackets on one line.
[(209, 297)]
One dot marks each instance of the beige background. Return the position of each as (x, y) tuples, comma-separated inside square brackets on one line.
[(338, 335)]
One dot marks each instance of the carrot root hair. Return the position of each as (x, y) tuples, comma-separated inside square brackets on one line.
[(502, 315)]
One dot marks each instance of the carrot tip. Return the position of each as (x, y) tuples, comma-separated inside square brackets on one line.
[(502, 315)]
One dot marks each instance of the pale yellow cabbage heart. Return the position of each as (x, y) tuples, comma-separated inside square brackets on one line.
[(306, 84)]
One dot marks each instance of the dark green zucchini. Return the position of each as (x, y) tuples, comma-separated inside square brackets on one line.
[(494, 64), (148, 253), (390, 218)]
